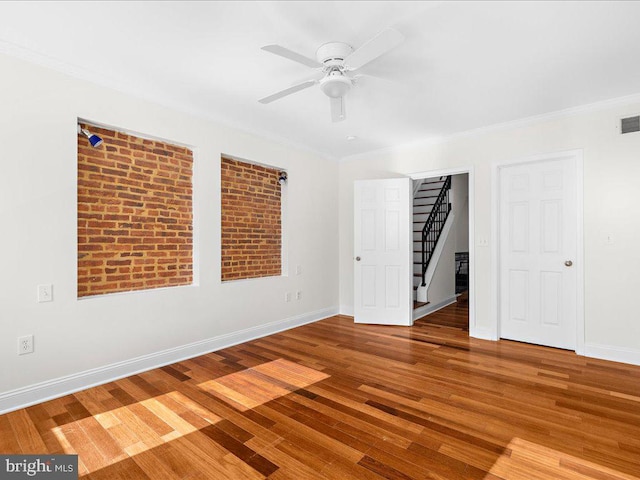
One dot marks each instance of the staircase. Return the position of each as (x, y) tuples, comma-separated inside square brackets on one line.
[(423, 199)]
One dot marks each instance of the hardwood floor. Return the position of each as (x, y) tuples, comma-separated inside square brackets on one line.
[(455, 315), (336, 400)]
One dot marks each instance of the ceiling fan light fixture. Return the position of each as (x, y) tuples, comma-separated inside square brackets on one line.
[(335, 85)]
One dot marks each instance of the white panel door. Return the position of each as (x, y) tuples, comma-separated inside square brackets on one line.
[(538, 246), (382, 257)]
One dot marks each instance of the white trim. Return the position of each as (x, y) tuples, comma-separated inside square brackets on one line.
[(31, 56), (497, 127), (35, 58), (428, 309), (253, 162), (474, 330), (493, 328), (580, 327), (47, 390), (613, 354), (347, 310), (484, 333), (440, 173), (134, 133), (577, 154)]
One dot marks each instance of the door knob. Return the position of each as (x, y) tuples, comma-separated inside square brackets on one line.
[(357, 259), (568, 263)]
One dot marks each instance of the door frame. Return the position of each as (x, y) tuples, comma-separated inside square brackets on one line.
[(577, 155), (474, 330)]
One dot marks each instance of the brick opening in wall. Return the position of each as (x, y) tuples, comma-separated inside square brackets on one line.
[(251, 230), (135, 214)]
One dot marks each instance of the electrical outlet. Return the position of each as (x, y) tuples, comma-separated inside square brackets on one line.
[(299, 295), (287, 297), (45, 293), (25, 344), (298, 269)]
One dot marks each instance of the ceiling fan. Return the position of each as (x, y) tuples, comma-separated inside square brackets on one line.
[(334, 62)]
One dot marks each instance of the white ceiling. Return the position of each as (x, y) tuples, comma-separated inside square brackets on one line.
[(463, 65)]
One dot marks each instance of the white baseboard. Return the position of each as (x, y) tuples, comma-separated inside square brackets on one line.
[(483, 333), (40, 392), (614, 354), (346, 310), (427, 309)]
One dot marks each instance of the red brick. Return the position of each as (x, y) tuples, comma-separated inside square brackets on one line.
[(251, 209), (121, 192)]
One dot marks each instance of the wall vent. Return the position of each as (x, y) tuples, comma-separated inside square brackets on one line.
[(630, 124)]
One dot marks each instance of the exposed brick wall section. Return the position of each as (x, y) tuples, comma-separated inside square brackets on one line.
[(251, 220), (134, 214)]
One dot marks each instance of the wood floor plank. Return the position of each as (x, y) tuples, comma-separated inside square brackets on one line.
[(25, 432), (336, 400)]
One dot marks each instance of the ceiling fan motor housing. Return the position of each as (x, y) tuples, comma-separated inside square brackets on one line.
[(332, 54)]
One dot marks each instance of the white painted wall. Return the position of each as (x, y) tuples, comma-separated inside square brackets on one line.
[(38, 111), (611, 206)]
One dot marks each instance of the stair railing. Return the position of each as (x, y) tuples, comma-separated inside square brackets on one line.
[(434, 225)]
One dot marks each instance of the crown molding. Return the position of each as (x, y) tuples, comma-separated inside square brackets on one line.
[(32, 57), (510, 125)]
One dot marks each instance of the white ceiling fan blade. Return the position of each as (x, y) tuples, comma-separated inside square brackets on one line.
[(377, 46), (316, 77), (338, 109), (288, 91), (291, 55)]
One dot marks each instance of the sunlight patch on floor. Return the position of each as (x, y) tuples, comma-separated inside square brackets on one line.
[(109, 437), (530, 461), (257, 385)]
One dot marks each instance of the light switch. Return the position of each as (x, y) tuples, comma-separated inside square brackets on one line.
[(45, 293), (483, 242)]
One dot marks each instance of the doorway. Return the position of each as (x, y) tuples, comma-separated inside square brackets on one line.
[(463, 246)]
